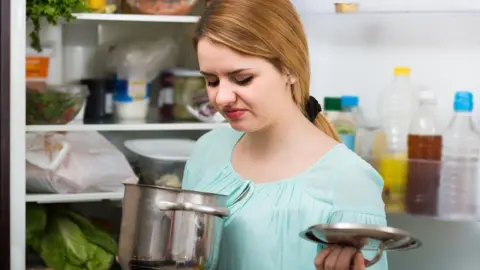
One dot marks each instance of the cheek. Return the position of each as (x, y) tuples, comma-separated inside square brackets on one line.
[(211, 96)]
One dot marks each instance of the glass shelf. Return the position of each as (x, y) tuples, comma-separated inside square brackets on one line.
[(419, 187)]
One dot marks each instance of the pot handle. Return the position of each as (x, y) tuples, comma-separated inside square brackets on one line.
[(186, 206)]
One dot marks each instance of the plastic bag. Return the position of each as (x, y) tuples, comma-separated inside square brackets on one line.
[(75, 162), (142, 59)]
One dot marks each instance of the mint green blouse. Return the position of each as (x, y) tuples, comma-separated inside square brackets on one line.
[(262, 231)]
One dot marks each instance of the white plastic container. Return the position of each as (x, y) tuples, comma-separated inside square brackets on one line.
[(131, 110), (162, 161), (131, 99)]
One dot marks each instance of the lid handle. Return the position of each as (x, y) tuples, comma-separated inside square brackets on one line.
[(378, 255), (186, 206)]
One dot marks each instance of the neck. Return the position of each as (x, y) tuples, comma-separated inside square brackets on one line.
[(287, 132)]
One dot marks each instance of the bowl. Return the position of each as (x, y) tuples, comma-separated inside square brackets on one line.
[(54, 104), (162, 7), (346, 7)]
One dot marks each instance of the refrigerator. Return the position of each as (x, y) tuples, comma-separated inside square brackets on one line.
[(350, 54)]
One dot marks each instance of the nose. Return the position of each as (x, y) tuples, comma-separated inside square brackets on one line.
[(225, 95)]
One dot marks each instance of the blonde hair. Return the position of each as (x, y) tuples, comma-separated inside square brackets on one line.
[(268, 29)]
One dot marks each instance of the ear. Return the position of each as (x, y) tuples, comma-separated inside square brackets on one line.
[(290, 79)]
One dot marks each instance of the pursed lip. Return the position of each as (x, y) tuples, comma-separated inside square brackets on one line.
[(234, 113)]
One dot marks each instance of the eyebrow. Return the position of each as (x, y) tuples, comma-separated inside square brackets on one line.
[(234, 72)]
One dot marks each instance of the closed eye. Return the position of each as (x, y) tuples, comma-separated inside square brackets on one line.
[(244, 81), (213, 83)]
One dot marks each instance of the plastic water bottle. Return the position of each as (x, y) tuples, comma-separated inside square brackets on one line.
[(345, 121), (460, 154), (396, 106)]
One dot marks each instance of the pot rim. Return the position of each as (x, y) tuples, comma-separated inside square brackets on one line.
[(177, 190)]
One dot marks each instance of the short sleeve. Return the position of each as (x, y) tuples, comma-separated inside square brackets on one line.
[(357, 198)]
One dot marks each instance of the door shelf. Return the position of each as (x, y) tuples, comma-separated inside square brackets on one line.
[(101, 17), (124, 127), (74, 198)]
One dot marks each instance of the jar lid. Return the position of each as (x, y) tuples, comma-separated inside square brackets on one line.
[(361, 236), (180, 72)]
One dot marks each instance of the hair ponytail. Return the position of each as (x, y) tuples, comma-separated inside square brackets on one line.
[(324, 125)]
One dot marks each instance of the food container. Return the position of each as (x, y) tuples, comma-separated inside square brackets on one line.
[(54, 104), (165, 228), (346, 7), (131, 99), (189, 89), (161, 7), (161, 161)]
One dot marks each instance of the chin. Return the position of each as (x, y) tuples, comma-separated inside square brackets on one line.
[(243, 126)]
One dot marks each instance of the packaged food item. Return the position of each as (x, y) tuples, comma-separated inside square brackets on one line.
[(37, 66), (131, 99), (189, 89)]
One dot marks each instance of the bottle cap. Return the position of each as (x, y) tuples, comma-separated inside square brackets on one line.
[(349, 101), (332, 104), (401, 71), (427, 95), (463, 101)]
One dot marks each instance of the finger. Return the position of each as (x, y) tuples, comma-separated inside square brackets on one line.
[(346, 258), (331, 260), (321, 256), (359, 262)]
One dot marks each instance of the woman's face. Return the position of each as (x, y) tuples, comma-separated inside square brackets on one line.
[(249, 91)]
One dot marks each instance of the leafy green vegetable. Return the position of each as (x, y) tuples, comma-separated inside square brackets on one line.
[(94, 234), (67, 241), (52, 11), (36, 224)]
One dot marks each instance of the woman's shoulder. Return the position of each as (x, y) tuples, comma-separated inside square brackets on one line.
[(346, 180), (219, 141), (340, 160), (219, 135), (210, 156)]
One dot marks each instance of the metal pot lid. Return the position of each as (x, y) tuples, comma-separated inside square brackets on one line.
[(361, 236)]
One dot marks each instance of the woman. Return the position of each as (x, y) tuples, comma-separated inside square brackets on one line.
[(281, 165)]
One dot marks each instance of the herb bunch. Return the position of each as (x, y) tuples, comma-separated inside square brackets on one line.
[(52, 11)]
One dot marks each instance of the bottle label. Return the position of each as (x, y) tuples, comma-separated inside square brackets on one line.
[(128, 91), (348, 140), (137, 90)]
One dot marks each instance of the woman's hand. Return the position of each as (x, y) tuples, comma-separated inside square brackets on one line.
[(340, 258)]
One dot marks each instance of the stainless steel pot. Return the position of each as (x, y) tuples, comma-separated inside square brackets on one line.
[(165, 228)]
